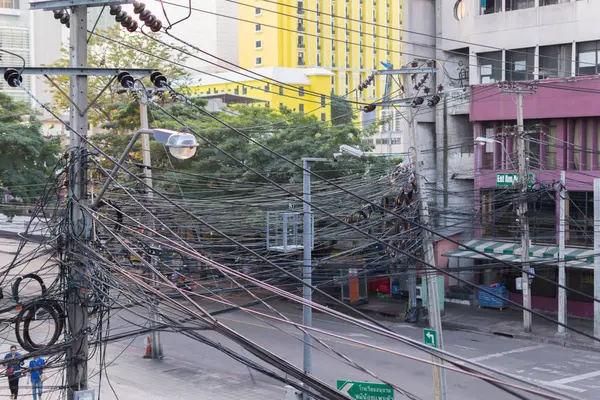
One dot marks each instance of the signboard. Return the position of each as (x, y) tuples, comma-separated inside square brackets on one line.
[(430, 337), (366, 390), (506, 181)]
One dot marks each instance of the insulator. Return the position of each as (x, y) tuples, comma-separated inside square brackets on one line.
[(402, 88), (125, 79), (156, 26), (160, 81), (433, 101), (132, 27), (149, 20), (121, 16), (364, 85), (360, 88), (138, 7), (426, 90), (114, 10), (58, 14), (417, 101), (145, 14), (65, 19), (174, 96), (12, 77), (369, 108)]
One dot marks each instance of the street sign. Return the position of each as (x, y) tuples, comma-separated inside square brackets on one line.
[(430, 337), (505, 181), (366, 390)]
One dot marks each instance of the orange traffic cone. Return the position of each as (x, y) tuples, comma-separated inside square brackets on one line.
[(148, 348)]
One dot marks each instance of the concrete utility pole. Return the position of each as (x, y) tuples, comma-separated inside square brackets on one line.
[(155, 342), (523, 178), (77, 315), (562, 294), (596, 257), (307, 242)]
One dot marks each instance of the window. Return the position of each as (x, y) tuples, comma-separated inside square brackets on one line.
[(267, 88), (580, 214), (519, 64), (244, 90), (300, 90), (257, 28), (300, 25), (519, 4), (491, 6), (323, 117), (318, 60), (301, 108), (459, 10), (588, 58), (550, 2), (300, 42), (13, 4), (490, 66), (551, 145), (281, 90), (301, 59), (267, 104), (555, 61), (258, 61), (258, 44), (322, 100), (257, 11), (300, 7), (488, 148), (236, 90)]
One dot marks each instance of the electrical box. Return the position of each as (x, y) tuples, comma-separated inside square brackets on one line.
[(84, 395), (285, 231)]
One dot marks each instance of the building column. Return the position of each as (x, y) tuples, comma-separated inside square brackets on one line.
[(544, 131), (570, 145), (573, 58), (503, 65), (583, 163), (497, 147), (561, 146), (536, 58), (478, 131), (594, 162)]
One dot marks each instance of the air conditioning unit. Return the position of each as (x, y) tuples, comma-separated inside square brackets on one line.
[(419, 294)]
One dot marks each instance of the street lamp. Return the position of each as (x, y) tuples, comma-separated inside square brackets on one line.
[(181, 146), (307, 243), (482, 141)]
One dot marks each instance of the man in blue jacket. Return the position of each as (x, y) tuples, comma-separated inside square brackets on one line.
[(35, 366), (13, 371)]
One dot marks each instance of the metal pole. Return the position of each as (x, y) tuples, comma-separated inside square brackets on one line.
[(155, 341), (523, 173), (307, 240), (596, 257), (562, 280), (77, 315), (433, 306)]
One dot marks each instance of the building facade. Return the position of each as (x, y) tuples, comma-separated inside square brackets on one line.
[(554, 44)]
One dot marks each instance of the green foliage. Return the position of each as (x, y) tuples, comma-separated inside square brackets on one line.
[(342, 112), (113, 110), (26, 157)]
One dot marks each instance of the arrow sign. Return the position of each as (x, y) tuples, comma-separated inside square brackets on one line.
[(366, 390), (430, 337)]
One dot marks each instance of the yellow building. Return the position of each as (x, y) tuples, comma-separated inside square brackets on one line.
[(348, 37), (301, 89)]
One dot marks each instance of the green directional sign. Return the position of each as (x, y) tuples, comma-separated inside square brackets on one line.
[(507, 181), (430, 337), (366, 390)]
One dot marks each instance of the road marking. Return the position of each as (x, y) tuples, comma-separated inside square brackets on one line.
[(464, 347), (576, 378), (357, 335), (504, 353), (407, 326)]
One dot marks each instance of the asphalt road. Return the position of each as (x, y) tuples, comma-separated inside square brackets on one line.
[(574, 372)]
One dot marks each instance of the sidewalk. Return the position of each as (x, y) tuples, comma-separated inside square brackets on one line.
[(507, 322)]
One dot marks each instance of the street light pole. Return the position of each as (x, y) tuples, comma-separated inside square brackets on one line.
[(307, 240)]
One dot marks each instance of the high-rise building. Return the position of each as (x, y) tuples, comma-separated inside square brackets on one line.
[(351, 38)]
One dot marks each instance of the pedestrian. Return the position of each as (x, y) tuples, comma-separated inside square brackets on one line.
[(37, 376), (13, 371)]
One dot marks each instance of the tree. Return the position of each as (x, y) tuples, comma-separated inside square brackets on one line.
[(341, 111), (122, 50), (26, 157)]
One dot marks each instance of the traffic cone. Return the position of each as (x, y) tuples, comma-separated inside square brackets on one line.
[(148, 348)]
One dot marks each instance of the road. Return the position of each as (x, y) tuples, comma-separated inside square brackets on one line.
[(574, 372)]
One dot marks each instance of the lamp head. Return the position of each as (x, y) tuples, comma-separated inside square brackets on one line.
[(182, 145), (484, 140)]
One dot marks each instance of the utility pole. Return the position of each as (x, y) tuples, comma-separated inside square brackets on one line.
[(596, 257), (156, 345), (523, 179), (77, 315), (562, 281)]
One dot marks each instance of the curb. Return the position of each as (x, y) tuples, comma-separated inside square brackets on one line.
[(470, 328)]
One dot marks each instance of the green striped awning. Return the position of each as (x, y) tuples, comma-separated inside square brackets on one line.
[(511, 252)]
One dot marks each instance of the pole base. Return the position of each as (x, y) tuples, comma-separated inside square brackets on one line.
[(563, 335)]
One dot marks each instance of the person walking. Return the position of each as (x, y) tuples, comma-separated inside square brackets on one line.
[(13, 371), (36, 375)]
